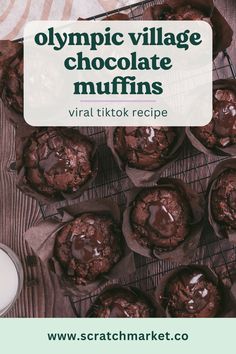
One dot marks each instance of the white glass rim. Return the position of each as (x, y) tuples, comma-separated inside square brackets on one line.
[(19, 270)]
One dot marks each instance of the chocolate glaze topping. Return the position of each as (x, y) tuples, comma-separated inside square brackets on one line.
[(85, 247), (161, 220)]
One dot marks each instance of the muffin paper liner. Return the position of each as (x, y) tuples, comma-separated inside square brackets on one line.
[(41, 239), (23, 133), (185, 250), (228, 150), (136, 291), (219, 229), (224, 32), (228, 297), (140, 177)]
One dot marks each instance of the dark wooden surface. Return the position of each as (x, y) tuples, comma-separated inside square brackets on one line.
[(41, 295)]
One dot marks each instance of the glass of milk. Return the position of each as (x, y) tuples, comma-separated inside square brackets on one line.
[(11, 279)]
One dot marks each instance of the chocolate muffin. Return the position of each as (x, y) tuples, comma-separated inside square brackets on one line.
[(58, 161), (160, 218), (122, 302), (88, 247), (223, 199), (144, 147), (191, 293), (221, 131), (11, 75)]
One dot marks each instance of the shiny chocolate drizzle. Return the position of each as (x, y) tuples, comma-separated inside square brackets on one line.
[(161, 220), (86, 247)]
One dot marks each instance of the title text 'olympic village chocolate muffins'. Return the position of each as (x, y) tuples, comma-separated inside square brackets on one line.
[(164, 221), (191, 291), (122, 301), (11, 78), (55, 163), (144, 152), (222, 200), (219, 135), (194, 10)]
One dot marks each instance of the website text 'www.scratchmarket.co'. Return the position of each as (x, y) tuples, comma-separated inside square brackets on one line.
[(118, 336)]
